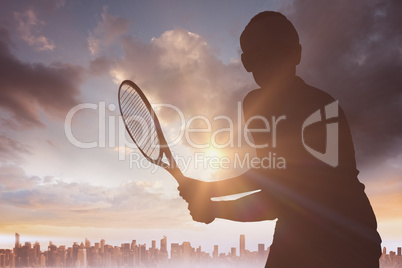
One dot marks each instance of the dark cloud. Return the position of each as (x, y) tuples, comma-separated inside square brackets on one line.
[(53, 5), (27, 89), (352, 49)]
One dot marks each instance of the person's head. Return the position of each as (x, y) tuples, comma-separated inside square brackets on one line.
[(271, 48)]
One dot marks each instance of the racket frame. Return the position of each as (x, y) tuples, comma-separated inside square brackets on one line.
[(164, 150)]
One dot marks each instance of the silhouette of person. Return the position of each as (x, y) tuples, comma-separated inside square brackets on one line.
[(324, 218)]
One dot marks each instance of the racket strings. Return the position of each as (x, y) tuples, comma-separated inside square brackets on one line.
[(140, 122), (143, 132)]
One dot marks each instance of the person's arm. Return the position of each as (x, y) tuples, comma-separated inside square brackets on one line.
[(254, 207), (249, 181)]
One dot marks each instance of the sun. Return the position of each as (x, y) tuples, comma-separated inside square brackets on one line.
[(213, 158), (203, 164), (212, 152)]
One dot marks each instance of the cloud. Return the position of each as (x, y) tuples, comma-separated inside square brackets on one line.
[(12, 151), (26, 89), (352, 49), (13, 179), (29, 30), (100, 65), (179, 68), (107, 30), (54, 4), (52, 201), (385, 190)]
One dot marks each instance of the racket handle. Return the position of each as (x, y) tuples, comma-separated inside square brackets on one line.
[(177, 174)]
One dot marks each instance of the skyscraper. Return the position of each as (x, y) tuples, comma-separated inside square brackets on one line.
[(102, 247), (133, 244), (163, 254), (233, 252), (17, 240), (143, 254), (261, 250), (242, 245), (215, 254), (186, 250), (164, 244), (2, 260), (175, 251), (87, 243), (82, 257), (37, 250)]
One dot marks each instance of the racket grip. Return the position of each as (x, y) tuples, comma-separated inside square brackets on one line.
[(177, 174)]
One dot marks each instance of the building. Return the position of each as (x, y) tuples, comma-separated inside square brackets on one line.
[(102, 246), (233, 252), (215, 254), (17, 240), (186, 251), (242, 246), (261, 250), (82, 258), (164, 244)]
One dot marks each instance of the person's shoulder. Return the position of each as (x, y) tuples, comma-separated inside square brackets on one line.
[(310, 95), (252, 96)]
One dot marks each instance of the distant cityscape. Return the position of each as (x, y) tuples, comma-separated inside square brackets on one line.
[(132, 254), (391, 260)]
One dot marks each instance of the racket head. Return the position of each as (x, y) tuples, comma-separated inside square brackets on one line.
[(141, 122)]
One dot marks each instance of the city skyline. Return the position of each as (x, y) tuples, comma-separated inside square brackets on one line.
[(130, 254), (136, 254), (241, 247)]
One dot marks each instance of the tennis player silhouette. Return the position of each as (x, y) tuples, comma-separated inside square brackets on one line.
[(324, 218)]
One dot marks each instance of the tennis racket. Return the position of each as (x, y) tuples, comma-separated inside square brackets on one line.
[(144, 128)]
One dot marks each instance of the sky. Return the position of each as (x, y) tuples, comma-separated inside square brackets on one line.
[(59, 56)]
